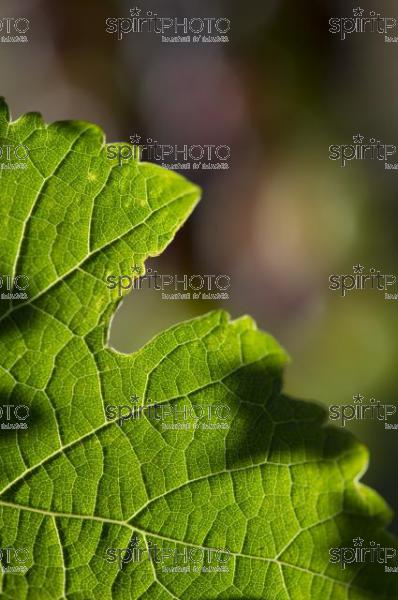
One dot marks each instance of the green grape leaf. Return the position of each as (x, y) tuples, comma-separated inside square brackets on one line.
[(234, 491)]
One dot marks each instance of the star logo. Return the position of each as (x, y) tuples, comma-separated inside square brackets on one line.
[(135, 12), (358, 398), (358, 541), (134, 399), (135, 139), (358, 139), (358, 269), (358, 12)]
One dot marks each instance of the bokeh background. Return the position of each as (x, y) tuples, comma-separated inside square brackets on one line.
[(283, 217)]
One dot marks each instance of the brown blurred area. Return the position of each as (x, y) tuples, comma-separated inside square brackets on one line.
[(283, 217)]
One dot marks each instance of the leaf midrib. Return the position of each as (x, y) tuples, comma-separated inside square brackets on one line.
[(145, 533)]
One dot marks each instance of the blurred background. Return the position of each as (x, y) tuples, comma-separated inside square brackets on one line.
[(283, 217)]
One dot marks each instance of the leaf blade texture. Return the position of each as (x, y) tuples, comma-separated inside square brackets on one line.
[(274, 491)]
